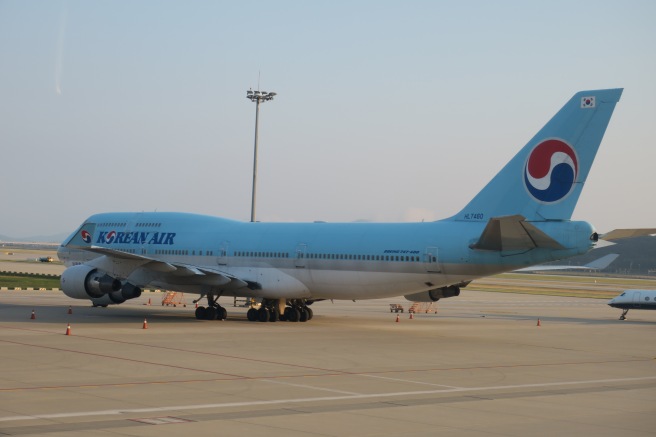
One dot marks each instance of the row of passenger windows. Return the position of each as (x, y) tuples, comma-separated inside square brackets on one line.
[(148, 225), (403, 258), (263, 254), (122, 225), (183, 252), (331, 256)]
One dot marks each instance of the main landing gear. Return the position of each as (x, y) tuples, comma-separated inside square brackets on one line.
[(296, 310), (214, 311)]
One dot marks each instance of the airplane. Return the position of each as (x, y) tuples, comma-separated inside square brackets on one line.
[(522, 217), (598, 264), (634, 300)]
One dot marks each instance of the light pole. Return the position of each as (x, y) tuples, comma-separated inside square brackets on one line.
[(257, 97)]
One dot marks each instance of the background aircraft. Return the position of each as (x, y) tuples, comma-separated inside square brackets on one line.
[(634, 300), (522, 217)]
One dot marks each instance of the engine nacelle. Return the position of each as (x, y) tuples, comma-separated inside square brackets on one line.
[(434, 295), (85, 282), (128, 291)]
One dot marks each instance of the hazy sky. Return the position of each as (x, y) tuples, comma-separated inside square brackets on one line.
[(386, 110)]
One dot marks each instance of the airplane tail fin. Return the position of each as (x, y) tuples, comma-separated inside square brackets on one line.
[(544, 180)]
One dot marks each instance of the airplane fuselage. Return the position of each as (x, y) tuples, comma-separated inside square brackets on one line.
[(315, 260)]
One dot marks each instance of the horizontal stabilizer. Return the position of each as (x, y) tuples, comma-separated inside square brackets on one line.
[(598, 264), (617, 234), (512, 233)]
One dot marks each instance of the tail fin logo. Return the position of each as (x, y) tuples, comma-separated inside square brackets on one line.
[(86, 236), (551, 170)]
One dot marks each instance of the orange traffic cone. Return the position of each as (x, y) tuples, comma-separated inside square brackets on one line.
[(196, 304), (397, 318), (148, 301), (539, 322), (412, 316), (145, 324), (68, 329), (33, 316), (70, 309)]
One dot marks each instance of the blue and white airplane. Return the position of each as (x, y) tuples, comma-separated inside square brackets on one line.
[(634, 300), (522, 217)]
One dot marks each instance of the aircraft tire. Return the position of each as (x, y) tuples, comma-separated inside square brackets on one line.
[(222, 313), (263, 314), (293, 315), (252, 315), (303, 315), (310, 313), (210, 313), (200, 313)]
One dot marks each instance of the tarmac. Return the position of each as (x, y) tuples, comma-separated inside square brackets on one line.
[(481, 366)]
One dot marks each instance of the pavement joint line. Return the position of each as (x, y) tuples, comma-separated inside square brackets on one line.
[(126, 411), (95, 354)]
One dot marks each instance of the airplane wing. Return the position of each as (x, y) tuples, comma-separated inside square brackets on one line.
[(513, 233), (143, 269)]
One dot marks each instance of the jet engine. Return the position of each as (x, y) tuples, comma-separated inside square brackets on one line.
[(85, 282), (434, 295)]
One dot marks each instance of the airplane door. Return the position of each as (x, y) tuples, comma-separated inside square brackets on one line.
[(301, 256), (222, 260), (636, 299), (431, 261)]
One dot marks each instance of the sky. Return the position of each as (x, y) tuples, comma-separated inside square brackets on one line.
[(385, 110)]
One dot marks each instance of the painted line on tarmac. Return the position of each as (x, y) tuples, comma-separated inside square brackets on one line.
[(408, 381), (350, 393), (126, 411)]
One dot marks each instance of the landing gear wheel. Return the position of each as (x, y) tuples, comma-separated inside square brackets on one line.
[(274, 315), (252, 315), (222, 313), (303, 315), (310, 313), (210, 313), (263, 314), (292, 314), (200, 313)]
